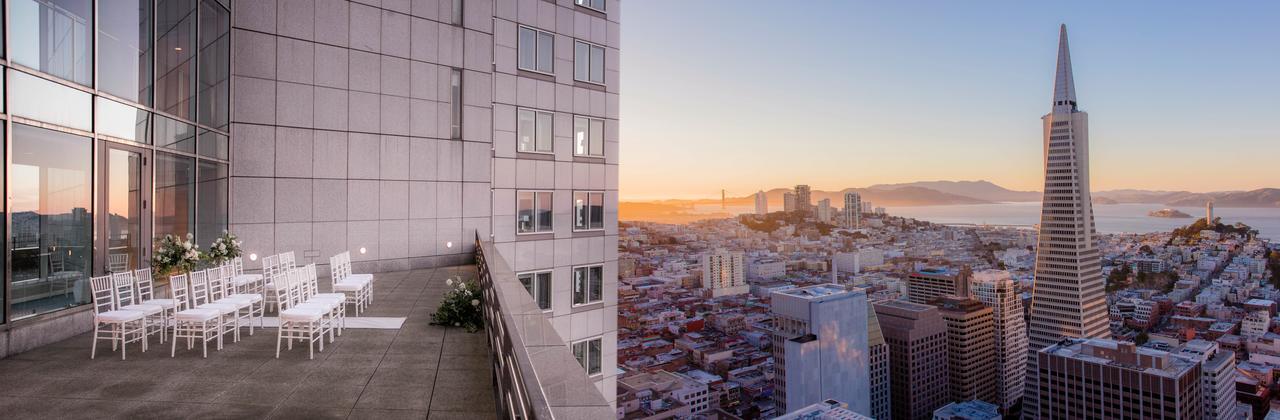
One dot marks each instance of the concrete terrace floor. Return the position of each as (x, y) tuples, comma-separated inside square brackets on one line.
[(420, 371)]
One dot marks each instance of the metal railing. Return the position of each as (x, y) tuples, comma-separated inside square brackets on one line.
[(535, 375)]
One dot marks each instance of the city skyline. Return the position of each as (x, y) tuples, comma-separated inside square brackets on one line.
[(893, 82)]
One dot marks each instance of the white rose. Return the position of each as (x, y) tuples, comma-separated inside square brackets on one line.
[(475, 302), (448, 282)]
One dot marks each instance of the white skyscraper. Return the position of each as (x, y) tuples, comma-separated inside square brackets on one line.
[(724, 273), (1068, 299), (852, 210), (997, 290), (1217, 377), (762, 204), (788, 202), (824, 210), (820, 347)]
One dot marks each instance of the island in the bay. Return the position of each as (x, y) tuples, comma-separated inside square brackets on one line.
[(1169, 213)]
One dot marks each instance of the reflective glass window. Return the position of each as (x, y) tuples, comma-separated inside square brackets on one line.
[(215, 65), (175, 195), (213, 145), (124, 49), (175, 57), (53, 36), (211, 202), (40, 99), (52, 234), (174, 134), (123, 121)]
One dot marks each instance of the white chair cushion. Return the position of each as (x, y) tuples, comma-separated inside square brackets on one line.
[(301, 314), (318, 305), (146, 309), (119, 316), (239, 303), (347, 287), (198, 314), (332, 296), (163, 303), (253, 297), (224, 308), (361, 279), (243, 279)]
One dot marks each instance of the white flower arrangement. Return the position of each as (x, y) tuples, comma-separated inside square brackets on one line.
[(460, 306), (224, 248), (175, 255)]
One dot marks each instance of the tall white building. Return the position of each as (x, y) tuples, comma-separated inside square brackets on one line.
[(788, 202), (1208, 212), (762, 204), (1217, 377), (804, 197), (1068, 299), (724, 273), (997, 290), (852, 210), (820, 347), (824, 210)]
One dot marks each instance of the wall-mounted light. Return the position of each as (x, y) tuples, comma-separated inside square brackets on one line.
[(448, 244), (253, 257), (362, 250)]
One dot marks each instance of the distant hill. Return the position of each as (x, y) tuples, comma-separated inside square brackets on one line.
[(981, 190), (1262, 197)]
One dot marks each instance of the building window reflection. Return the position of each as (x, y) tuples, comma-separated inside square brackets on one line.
[(53, 36), (175, 195), (124, 50), (215, 50), (175, 53), (211, 202), (52, 234)]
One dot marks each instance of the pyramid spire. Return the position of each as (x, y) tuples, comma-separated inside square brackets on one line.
[(1064, 86)]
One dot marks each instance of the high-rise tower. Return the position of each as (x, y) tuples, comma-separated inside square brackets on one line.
[(1068, 299)]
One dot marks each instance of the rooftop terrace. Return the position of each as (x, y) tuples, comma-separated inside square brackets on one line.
[(417, 371)]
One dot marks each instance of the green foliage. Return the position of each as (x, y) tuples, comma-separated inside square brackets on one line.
[(1119, 278), (1192, 231), (1142, 338), (460, 307)]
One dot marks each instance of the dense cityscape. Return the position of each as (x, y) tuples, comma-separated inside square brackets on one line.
[(824, 310)]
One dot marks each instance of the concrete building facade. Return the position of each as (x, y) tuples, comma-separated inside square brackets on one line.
[(1101, 378), (852, 210), (820, 347), (919, 381), (971, 348), (997, 290), (724, 273)]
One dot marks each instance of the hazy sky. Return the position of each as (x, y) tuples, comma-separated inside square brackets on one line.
[(745, 95)]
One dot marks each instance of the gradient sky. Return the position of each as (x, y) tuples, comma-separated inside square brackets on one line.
[(747, 95)]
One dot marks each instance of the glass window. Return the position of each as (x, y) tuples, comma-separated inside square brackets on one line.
[(588, 353), (123, 121), (123, 195), (588, 62), (536, 50), (52, 235), (533, 211), (455, 100), (40, 99), (213, 145), (54, 36), (588, 136), (174, 134), (456, 16), (534, 131), (594, 4), (124, 50), (539, 286), (588, 284), (215, 65), (175, 195), (175, 57), (588, 210), (211, 202)]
